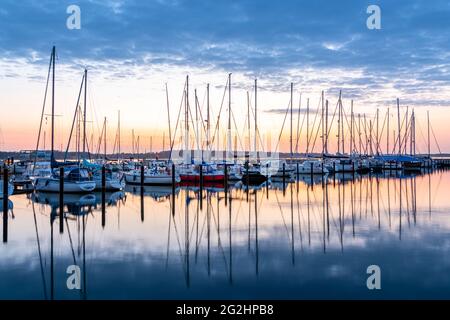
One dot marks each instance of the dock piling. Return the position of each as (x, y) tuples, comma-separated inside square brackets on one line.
[(61, 200)]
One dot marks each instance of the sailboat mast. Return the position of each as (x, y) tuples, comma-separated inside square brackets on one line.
[(248, 123), (323, 124), (387, 132), (428, 129), (339, 124), (229, 118), (326, 126), (377, 144), (351, 128), (168, 116), (118, 131), (104, 138), (398, 122), (255, 141), (359, 133), (307, 127), (197, 138), (208, 126), (84, 111), (186, 122), (290, 137), (412, 133), (53, 104)]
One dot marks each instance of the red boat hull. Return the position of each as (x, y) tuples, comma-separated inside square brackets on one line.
[(195, 178)]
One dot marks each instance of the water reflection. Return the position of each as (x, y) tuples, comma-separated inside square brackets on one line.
[(311, 238)]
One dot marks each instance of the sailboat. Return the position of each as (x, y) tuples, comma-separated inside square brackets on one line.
[(76, 179), (157, 174)]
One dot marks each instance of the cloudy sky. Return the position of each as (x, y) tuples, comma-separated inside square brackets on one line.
[(133, 48)]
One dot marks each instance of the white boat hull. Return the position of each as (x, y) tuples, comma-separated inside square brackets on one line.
[(52, 185), (131, 178), (110, 185)]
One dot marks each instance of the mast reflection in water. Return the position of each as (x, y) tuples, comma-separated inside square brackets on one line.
[(312, 238)]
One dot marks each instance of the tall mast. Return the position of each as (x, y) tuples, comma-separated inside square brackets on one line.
[(208, 126), (84, 111), (292, 103), (398, 122), (104, 138), (323, 124), (326, 126), (197, 138), (168, 119), (229, 117), (359, 133), (387, 132), (248, 123), (339, 124), (406, 129), (428, 129), (351, 128), (412, 141), (377, 144), (255, 141), (186, 123), (133, 142), (307, 127), (53, 104), (118, 130)]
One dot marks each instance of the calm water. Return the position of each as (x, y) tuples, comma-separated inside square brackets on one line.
[(310, 240)]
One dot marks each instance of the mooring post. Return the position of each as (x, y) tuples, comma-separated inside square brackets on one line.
[(298, 171), (267, 180), (225, 182), (284, 174), (353, 170), (142, 192), (103, 196), (201, 187), (312, 173), (61, 200), (173, 189), (5, 204), (334, 174)]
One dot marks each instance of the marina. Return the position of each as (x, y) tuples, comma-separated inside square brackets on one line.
[(225, 156), (247, 242)]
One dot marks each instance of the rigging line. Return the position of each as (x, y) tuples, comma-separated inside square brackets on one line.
[(421, 133), (70, 240), (332, 119), (257, 131), (43, 109), (299, 132), (172, 143), (40, 254), (315, 119), (284, 221), (381, 135), (168, 236), (435, 140), (398, 134), (237, 130), (405, 136), (216, 129), (179, 246), (282, 127), (74, 118), (315, 138), (219, 241)]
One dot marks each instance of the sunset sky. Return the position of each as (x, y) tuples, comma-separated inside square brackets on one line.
[(133, 48)]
